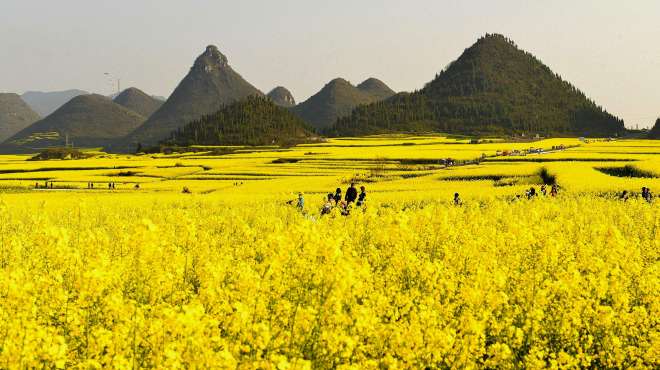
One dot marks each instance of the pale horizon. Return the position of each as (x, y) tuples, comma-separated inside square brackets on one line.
[(607, 51)]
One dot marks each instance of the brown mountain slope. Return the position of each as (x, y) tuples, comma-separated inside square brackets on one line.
[(136, 100), (282, 96), (86, 121), (209, 86), (15, 115), (337, 99)]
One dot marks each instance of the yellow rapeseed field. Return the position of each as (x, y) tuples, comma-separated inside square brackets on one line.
[(231, 276)]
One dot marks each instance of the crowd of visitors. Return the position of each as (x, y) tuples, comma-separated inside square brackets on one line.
[(335, 200)]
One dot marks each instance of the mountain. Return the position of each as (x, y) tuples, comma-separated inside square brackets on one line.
[(376, 88), (655, 131), (86, 120), (209, 86), (15, 115), (282, 97), (45, 103), (256, 120), (492, 88), (137, 101), (337, 99)]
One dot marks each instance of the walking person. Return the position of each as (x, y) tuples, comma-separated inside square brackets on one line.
[(351, 194)]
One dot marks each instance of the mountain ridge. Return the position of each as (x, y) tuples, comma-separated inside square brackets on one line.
[(337, 99), (86, 120), (47, 102)]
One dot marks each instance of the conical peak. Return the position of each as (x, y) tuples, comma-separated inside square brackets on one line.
[(211, 58), (371, 83), (282, 96), (131, 91), (338, 82), (494, 40)]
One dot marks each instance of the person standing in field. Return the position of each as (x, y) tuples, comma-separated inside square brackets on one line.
[(301, 202), (646, 194), (362, 197), (532, 193), (554, 191), (457, 200), (351, 194), (337, 196), (328, 205)]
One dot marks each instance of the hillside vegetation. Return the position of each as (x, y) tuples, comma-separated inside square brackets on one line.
[(493, 88), (252, 121), (655, 131)]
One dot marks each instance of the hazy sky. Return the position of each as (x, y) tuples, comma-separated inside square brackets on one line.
[(609, 49)]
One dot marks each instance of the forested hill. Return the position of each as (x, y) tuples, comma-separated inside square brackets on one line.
[(492, 88), (255, 120), (655, 131)]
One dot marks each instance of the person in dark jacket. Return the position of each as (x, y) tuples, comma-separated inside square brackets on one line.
[(337, 196), (351, 194), (362, 197)]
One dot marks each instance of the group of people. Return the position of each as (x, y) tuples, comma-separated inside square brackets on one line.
[(111, 185), (47, 185), (645, 194), (531, 193), (336, 200)]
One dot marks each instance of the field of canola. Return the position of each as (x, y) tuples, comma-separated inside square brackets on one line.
[(232, 277)]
